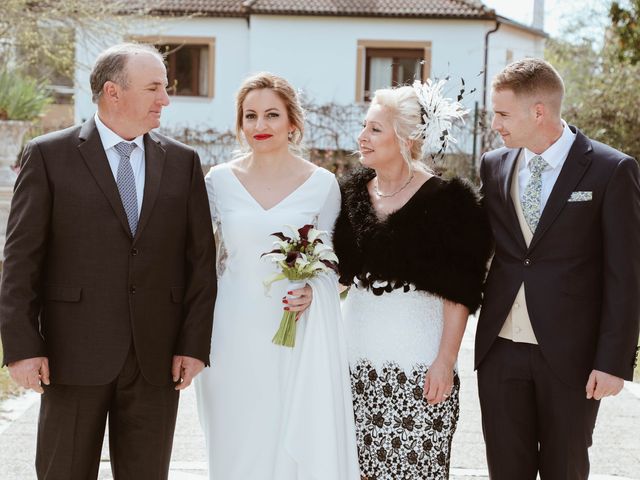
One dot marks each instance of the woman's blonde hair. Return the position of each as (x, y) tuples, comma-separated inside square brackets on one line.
[(406, 115), (286, 92)]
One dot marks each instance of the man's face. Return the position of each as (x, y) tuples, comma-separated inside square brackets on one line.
[(514, 118), (141, 102)]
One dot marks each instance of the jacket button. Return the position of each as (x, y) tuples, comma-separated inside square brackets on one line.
[(527, 262), (132, 289), (134, 251)]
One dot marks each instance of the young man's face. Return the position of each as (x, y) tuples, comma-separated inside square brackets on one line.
[(514, 118)]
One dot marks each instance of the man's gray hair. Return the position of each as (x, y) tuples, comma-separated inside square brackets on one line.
[(111, 66)]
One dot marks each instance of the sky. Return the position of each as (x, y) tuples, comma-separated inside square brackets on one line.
[(557, 12)]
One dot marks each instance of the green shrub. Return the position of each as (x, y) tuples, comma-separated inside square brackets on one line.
[(21, 97)]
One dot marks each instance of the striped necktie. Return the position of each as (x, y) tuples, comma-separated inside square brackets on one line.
[(127, 184)]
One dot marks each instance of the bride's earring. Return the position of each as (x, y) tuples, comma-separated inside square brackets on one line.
[(290, 136)]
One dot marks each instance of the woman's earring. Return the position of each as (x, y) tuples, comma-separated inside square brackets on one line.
[(290, 136)]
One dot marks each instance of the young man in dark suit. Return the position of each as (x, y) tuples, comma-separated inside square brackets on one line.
[(559, 323), (106, 303)]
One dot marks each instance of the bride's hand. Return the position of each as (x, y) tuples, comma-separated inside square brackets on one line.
[(438, 382), (298, 300)]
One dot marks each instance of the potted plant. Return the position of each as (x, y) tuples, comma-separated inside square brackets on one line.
[(22, 99)]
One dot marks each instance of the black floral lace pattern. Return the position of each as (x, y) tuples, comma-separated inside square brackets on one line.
[(400, 436)]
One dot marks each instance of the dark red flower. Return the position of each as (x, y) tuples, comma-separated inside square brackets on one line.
[(281, 236), (275, 250), (291, 258), (332, 265), (304, 232)]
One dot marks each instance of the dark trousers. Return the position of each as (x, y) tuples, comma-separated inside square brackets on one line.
[(531, 420), (72, 422)]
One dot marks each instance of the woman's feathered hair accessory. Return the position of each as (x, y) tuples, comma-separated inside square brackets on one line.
[(439, 114)]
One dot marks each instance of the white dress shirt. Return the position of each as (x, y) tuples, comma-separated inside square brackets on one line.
[(109, 140), (555, 156)]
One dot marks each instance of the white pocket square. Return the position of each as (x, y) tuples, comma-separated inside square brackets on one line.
[(581, 197)]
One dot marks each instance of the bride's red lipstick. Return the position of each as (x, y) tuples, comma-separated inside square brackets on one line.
[(262, 136)]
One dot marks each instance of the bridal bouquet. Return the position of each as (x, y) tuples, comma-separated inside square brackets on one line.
[(301, 256)]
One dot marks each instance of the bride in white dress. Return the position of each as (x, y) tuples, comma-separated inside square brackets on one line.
[(271, 412)]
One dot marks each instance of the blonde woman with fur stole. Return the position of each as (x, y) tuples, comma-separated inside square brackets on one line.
[(414, 248)]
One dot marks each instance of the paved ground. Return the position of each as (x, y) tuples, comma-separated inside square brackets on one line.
[(615, 454)]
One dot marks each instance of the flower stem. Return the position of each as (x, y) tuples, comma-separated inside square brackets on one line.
[(286, 334)]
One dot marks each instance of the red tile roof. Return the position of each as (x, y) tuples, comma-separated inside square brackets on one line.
[(209, 8), (361, 8)]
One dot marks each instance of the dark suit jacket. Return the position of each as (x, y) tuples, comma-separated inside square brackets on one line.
[(582, 269), (78, 289)]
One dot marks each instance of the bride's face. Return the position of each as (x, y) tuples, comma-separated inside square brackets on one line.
[(378, 143), (265, 123)]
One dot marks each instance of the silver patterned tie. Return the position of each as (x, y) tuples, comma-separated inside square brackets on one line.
[(531, 200), (127, 184)]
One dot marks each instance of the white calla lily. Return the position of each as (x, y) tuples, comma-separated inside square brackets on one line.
[(328, 255), (321, 248), (275, 257), (314, 234), (319, 266), (294, 232)]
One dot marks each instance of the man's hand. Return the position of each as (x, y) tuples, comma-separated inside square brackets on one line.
[(31, 373), (601, 384), (184, 369)]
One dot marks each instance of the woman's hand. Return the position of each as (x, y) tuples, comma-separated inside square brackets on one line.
[(298, 300), (438, 382)]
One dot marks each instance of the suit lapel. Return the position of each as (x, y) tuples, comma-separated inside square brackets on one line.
[(95, 157), (154, 157), (572, 172), (507, 177)]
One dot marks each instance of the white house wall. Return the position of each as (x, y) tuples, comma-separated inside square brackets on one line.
[(519, 42), (231, 65), (318, 55)]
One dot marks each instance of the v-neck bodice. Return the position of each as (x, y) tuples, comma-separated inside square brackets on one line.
[(243, 227), (289, 195)]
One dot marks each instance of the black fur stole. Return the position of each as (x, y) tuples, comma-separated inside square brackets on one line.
[(439, 241)]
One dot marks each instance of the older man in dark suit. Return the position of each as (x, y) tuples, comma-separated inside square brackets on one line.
[(559, 324), (108, 287)]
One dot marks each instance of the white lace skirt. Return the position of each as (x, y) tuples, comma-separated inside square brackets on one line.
[(392, 339)]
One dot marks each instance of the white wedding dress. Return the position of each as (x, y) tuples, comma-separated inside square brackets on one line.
[(271, 412)]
